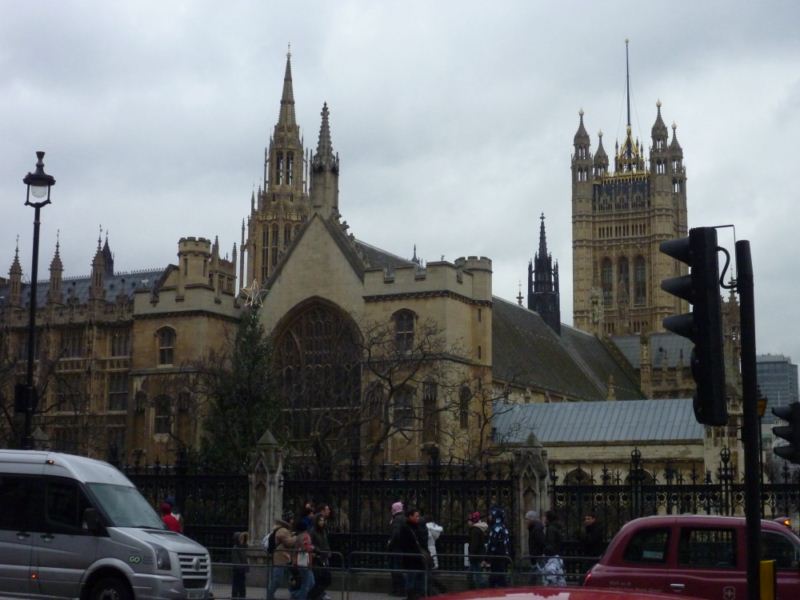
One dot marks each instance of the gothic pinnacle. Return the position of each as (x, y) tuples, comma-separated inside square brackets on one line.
[(287, 97)]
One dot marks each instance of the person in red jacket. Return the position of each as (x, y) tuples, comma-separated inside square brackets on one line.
[(169, 520)]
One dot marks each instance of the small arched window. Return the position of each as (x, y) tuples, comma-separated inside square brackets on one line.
[(166, 346), (279, 168), (289, 168), (404, 331), (430, 415), (624, 278), (163, 413), (274, 244), (287, 234)]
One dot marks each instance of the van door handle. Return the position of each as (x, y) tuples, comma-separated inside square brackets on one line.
[(22, 535), (677, 587), (47, 537)]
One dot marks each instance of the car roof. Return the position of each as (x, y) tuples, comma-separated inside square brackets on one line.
[(695, 520), (81, 468), (556, 593)]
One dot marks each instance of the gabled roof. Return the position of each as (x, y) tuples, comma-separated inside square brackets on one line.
[(127, 283), (528, 353), (627, 421)]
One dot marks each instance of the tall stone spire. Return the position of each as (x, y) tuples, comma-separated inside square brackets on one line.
[(325, 171), (286, 116)]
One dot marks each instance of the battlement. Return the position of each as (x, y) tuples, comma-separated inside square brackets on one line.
[(470, 277), (193, 244)]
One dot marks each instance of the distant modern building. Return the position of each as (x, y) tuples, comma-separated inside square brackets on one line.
[(777, 379)]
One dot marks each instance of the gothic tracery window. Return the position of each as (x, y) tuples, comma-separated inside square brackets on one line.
[(319, 365), (166, 346), (404, 331)]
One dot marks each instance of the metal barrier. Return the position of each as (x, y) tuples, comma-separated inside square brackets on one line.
[(369, 574)]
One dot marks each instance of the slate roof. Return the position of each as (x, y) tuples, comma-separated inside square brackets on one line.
[(78, 287), (597, 422), (666, 349), (381, 258), (526, 352)]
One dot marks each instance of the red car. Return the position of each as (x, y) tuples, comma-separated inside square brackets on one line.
[(698, 555), (554, 593)]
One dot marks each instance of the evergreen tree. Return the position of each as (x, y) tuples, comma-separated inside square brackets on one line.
[(239, 387)]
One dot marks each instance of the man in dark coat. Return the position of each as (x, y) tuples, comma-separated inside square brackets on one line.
[(409, 542), (397, 522), (592, 543), (498, 547)]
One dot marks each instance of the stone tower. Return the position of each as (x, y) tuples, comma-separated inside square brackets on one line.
[(279, 207), (618, 221), (296, 185), (543, 296)]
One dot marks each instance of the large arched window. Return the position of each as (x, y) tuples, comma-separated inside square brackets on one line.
[(404, 330), (319, 365), (639, 280), (166, 346), (607, 281), (274, 244)]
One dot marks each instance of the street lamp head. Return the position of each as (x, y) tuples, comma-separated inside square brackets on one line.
[(39, 183)]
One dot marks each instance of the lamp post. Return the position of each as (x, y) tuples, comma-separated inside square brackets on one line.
[(38, 195)]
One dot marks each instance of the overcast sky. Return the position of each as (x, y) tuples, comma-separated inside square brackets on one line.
[(453, 122)]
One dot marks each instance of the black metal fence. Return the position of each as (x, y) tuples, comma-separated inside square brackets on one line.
[(213, 505), (618, 497), (361, 498)]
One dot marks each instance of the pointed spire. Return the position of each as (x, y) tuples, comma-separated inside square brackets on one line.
[(414, 258), (675, 146), (542, 239), (16, 268), (600, 157), (287, 97), (108, 257), (56, 265), (519, 294), (581, 136), (659, 131), (324, 146), (627, 82)]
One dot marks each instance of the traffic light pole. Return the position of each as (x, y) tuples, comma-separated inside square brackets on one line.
[(750, 433)]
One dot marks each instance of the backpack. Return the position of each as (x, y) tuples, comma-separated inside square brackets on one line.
[(270, 542)]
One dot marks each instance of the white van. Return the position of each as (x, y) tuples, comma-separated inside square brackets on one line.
[(75, 527)]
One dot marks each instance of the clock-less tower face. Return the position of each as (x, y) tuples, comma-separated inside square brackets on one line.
[(619, 219)]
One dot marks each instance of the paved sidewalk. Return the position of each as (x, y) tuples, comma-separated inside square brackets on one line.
[(222, 591)]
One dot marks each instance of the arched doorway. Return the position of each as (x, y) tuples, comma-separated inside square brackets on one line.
[(318, 358)]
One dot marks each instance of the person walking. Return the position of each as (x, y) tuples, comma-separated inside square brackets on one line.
[(174, 510), (434, 530), (498, 547), (285, 543), (535, 544), (396, 523), (322, 552), (591, 539), (476, 548), (409, 542), (553, 569), (239, 567), (302, 562)]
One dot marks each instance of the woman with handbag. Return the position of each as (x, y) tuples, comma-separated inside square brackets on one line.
[(322, 552)]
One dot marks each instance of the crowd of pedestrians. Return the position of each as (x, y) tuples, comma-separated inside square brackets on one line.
[(300, 551)]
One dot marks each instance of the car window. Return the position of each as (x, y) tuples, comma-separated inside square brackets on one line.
[(781, 549), (20, 501), (704, 548), (64, 506), (647, 546)]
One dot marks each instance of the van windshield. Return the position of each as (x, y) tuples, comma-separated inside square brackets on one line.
[(125, 506)]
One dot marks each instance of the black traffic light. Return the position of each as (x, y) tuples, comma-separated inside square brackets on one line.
[(704, 324), (790, 432)]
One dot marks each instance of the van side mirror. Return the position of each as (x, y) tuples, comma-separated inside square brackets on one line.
[(92, 519)]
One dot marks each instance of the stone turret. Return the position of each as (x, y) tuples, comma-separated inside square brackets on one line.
[(324, 189), (15, 280), (54, 295)]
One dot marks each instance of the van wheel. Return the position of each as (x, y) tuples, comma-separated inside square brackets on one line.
[(110, 588)]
